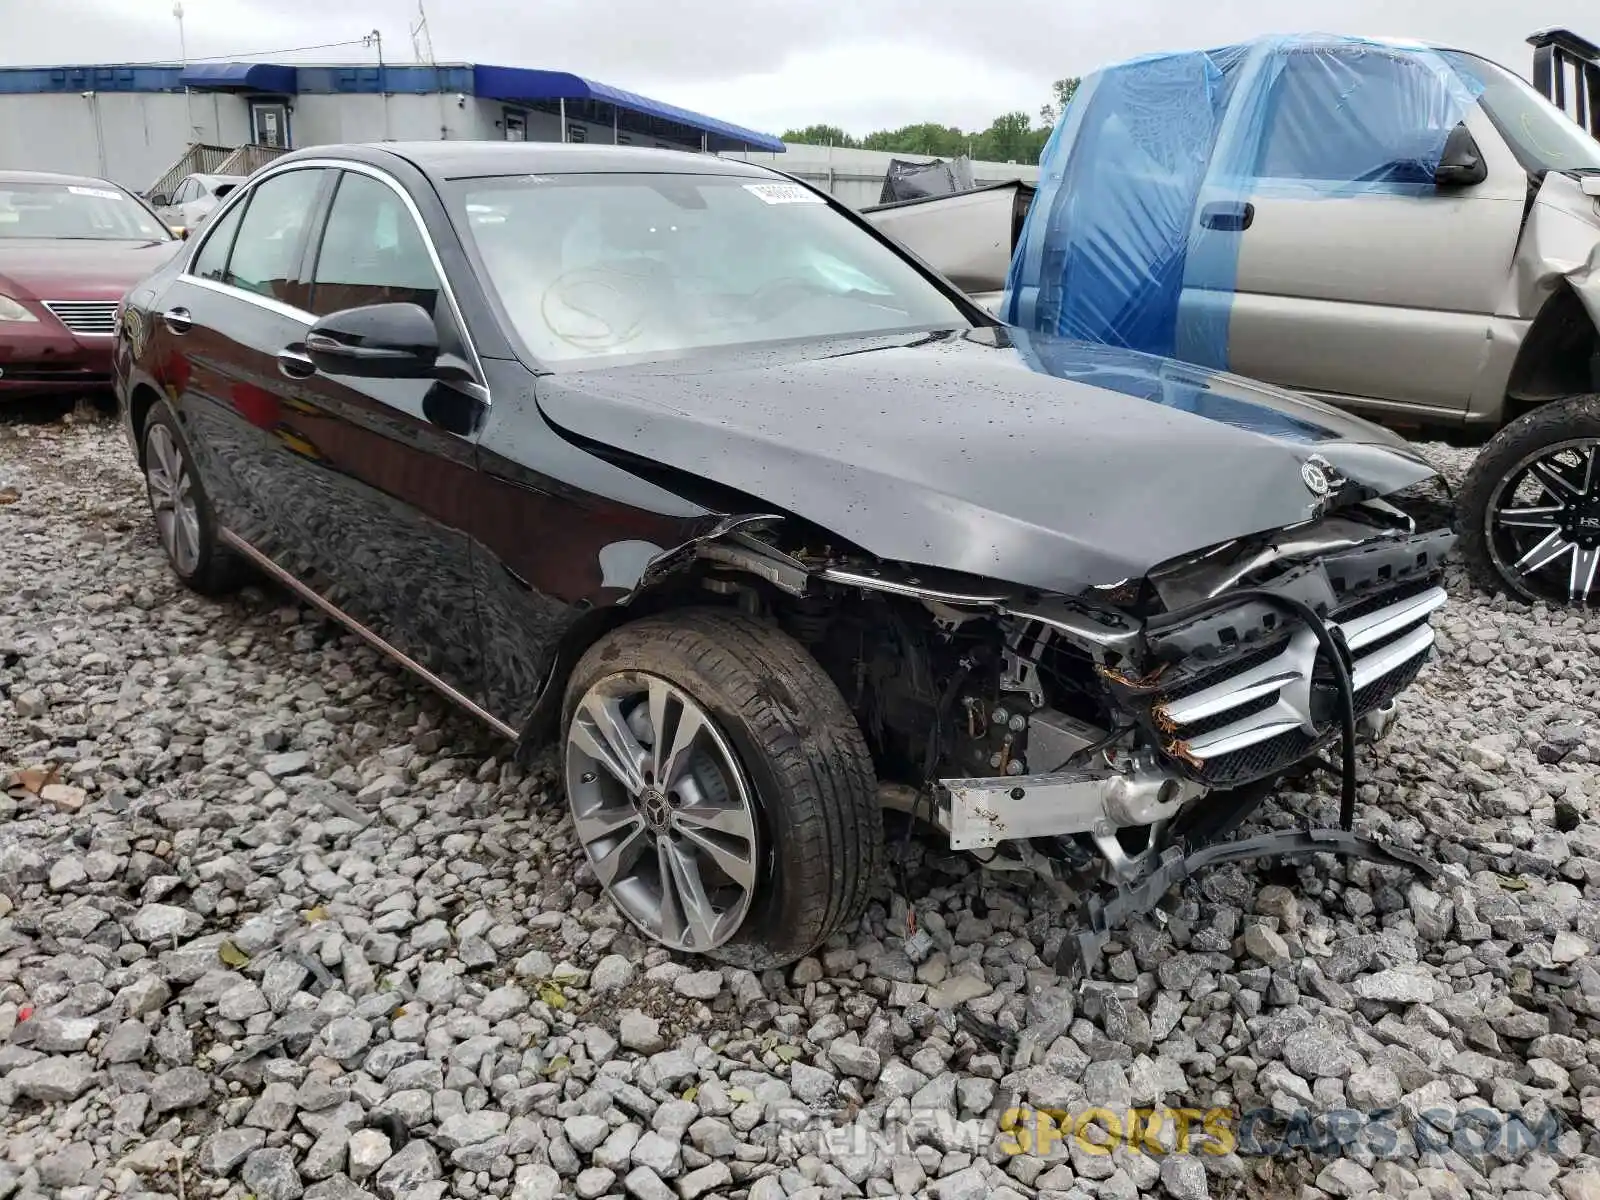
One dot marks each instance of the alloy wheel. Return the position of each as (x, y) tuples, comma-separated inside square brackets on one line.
[(1543, 525), (663, 810), (172, 499)]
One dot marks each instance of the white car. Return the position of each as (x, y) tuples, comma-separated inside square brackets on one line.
[(192, 200)]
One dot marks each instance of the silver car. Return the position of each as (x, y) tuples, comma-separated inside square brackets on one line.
[(193, 199)]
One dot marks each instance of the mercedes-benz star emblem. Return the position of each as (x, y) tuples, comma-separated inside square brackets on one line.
[(1315, 476)]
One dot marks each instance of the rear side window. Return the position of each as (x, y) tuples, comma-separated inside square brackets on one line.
[(212, 261), (266, 252), (372, 251)]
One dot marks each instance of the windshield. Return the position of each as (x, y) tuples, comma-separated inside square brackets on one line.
[(79, 212), (1543, 137), (591, 266)]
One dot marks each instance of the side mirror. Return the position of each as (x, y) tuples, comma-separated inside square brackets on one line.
[(376, 341), (160, 200), (1461, 164)]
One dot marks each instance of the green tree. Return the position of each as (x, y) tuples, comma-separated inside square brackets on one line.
[(1062, 92), (821, 135), (941, 141), (1008, 139)]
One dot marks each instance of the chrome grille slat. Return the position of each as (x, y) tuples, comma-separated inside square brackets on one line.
[(1394, 636), (94, 317)]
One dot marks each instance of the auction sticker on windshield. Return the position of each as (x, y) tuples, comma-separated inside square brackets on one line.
[(782, 193), (97, 193)]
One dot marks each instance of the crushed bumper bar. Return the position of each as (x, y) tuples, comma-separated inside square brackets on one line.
[(1079, 956)]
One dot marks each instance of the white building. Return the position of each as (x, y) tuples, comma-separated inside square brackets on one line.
[(147, 126)]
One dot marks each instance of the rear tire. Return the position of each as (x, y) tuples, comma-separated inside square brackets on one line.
[(185, 521), (1521, 469), (797, 754)]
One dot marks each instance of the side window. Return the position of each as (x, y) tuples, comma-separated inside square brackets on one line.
[(212, 260), (266, 252), (1355, 116), (372, 251)]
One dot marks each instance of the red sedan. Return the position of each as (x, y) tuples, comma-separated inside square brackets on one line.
[(70, 248)]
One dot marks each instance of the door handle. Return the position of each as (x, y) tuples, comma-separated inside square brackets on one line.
[(295, 364), (1228, 216), (178, 320)]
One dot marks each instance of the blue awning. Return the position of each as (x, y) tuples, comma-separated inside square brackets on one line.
[(240, 77), (524, 84)]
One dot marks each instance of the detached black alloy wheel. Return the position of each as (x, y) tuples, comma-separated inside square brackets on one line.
[(184, 521), (720, 787), (1530, 506)]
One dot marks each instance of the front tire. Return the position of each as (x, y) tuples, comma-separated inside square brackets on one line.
[(185, 521), (1529, 509), (720, 787)]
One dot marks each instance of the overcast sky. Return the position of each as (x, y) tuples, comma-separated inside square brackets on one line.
[(771, 64)]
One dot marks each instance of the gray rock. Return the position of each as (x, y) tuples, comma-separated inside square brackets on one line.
[(537, 1181), (1184, 1177), (63, 1035), (591, 1184), (1266, 945), (585, 1132), (967, 1184), (1398, 985), (270, 1174), (661, 1155), (1318, 1053), (182, 1087), (639, 1032), (644, 1184), (408, 1171), (293, 763), (706, 1179), (468, 1129), (163, 923), (611, 974), (810, 1085), (366, 1151), (699, 985), (854, 1060), (224, 1150)]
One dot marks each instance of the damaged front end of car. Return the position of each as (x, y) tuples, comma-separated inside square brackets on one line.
[(1120, 733)]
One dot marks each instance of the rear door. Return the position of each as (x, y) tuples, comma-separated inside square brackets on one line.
[(241, 297), (374, 478), (1356, 276)]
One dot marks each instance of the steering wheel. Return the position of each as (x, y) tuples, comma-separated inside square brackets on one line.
[(609, 297)]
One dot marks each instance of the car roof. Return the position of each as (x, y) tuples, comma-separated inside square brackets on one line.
[(53, 177), (466, 159)]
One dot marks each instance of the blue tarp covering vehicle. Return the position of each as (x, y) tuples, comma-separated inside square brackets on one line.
[(1149, 178)]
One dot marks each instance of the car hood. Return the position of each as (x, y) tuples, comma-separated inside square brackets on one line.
[(40, 269), (1037, 461)]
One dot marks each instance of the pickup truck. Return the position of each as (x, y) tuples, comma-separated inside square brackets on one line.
[(1405, 230)]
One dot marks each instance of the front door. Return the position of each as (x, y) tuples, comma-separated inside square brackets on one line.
[(378, 475), (269, 123), (1355, 276)]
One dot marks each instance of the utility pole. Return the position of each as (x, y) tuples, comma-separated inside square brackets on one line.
[(422, 40), (376, 39), (183, 57)]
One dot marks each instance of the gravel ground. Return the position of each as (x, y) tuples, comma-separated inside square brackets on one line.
[(274, 922)]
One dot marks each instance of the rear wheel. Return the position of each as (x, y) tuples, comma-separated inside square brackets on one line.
[(1529, 511), (720, 787), (185, 522)]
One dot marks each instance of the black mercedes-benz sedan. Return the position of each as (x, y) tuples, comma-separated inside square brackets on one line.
[(678, 461)]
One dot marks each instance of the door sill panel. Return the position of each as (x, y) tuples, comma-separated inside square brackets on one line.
[(237, 543)]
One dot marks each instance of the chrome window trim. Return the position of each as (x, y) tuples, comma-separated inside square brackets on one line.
[(244, 191)]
